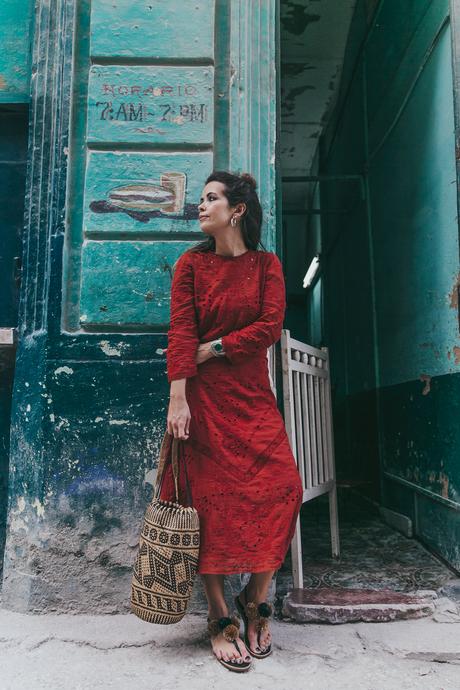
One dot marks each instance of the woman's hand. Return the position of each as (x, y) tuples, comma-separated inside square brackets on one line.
[(178, 421), (203, 352)]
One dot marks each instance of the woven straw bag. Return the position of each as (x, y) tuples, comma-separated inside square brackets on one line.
[(169, 545)]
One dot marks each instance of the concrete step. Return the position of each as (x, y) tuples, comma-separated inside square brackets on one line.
[(335, 605)]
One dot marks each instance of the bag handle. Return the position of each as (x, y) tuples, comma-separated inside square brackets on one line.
[(173, 447)]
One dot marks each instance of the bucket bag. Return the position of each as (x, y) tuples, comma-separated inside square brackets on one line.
[(167, 559)]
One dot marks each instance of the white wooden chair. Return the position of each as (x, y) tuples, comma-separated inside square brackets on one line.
[(308, 420)]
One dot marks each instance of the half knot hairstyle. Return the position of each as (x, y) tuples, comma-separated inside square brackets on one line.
[(238, 188)]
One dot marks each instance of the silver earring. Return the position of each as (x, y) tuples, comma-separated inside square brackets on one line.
[(233, 222)]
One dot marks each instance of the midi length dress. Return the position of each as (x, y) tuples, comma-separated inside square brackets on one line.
[(244, 480)]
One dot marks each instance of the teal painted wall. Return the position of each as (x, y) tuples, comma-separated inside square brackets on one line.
[(391, 268), (152, 111), (16, 19)]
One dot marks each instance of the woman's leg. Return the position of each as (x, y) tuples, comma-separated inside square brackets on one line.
[(217, 608), (257, 590)]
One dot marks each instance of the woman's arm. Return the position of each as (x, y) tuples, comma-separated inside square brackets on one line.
[(183, 338), (182, 347), (266, 330)]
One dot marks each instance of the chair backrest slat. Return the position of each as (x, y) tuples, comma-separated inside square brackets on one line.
[(307, 407)]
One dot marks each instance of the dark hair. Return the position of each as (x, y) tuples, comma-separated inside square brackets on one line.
[(238, 189)]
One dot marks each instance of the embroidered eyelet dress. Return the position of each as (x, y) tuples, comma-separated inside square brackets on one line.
[(243, 476)]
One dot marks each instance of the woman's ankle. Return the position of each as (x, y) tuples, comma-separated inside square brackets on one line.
[(254, 594), (218, 611)]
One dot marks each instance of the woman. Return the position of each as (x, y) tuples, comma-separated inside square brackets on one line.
[(227, 308)]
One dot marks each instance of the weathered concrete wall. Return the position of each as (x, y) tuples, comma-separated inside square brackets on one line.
[(153, 109), (392, 268)]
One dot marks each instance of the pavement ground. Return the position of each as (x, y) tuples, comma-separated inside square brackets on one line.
[(79, 652)]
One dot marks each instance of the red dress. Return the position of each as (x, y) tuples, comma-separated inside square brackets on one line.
[(243, 476)]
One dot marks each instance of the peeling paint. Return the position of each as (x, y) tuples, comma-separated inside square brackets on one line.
[(453, 295), (456, 350), (444, 480), (39, 507), (295, 18), (108, 349), (63, 370), (17, 524), (62, 423), (289, 98), (150, 477), (427, 380)]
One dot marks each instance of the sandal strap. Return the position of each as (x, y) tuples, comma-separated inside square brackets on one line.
[(257, 612), (229, 626)]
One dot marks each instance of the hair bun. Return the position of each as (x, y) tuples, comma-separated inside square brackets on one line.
[(249, 179)]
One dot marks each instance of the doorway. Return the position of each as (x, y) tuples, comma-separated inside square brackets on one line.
[(367, 157)]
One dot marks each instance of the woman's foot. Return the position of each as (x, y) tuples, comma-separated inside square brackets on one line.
[(227, 646), (257, 612)]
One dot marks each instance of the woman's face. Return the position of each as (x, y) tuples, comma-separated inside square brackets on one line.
[(214, 210)]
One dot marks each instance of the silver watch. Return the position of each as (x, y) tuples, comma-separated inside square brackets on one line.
[(217, 348)]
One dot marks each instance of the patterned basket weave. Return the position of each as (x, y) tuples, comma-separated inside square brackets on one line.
[(169, 545)]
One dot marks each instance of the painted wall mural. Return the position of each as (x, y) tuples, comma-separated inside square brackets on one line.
[(125, 191), (150, 103), (145, 200)]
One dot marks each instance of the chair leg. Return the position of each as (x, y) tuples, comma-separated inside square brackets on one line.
[(334, 520), (296, 555)]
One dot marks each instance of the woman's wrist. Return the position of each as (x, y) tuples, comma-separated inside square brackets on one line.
[(177, 389)]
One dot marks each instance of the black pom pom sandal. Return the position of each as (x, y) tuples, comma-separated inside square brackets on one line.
[(250, 611), (230, 629)]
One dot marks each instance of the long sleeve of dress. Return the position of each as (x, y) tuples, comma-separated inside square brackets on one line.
[(266, 330), (183, 331)]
